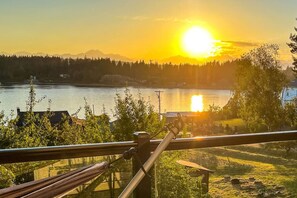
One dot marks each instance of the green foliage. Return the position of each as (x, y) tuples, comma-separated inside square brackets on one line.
[(290, 119), (33, 133), (134, 115), (173, 179), (231, 109), (6, 177), (214, 113), (7, 131), (64, 133), (258, 87), (290, 110), (290, 115), (96, 128)]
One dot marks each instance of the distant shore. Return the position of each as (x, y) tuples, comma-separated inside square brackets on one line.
[(117, 85)]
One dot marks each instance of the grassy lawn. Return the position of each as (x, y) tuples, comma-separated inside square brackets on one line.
[(274, 175), (232, 122)]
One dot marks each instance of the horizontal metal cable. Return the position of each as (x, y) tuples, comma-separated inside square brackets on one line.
[(113, 148)]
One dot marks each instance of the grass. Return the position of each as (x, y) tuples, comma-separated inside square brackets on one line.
[(231, 122), (244, 162)]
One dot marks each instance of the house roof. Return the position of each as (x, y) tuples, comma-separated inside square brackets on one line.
[(184, 114), (55, 116), (174, 114)]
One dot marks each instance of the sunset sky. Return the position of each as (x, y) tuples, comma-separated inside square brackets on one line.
[(143, 29)]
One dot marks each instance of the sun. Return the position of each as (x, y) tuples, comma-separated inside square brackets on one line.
[(198, 42)]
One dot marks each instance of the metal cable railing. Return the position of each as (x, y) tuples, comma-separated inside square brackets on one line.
[(113, 148), (74, 151)]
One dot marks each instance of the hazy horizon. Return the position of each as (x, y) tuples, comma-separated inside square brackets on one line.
[(144, 30)]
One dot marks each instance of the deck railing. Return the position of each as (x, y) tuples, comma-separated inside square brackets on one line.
[(144, 146)]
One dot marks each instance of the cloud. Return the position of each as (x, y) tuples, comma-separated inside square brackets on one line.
[(242, 43), (134, 18), (163, 19), (235, 48), (179, 20)]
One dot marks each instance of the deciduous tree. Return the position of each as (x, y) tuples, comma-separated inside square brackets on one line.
[(133, 115), (258, 87)]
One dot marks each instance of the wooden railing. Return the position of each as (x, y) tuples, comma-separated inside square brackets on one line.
[(143, 145), (113, 148)]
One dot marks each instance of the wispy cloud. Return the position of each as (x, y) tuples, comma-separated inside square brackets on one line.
[(241, 43), (179, 20), (134, 18), (235, 48), (163, 19)]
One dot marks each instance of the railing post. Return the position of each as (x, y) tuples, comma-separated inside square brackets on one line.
[(205, 182), (142, 139)]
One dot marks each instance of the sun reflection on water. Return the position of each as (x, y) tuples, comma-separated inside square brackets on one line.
[(197, 103)]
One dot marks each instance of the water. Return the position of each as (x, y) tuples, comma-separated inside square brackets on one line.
[(71, 98)]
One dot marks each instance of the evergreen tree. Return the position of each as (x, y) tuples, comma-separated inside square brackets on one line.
[(293, 46)]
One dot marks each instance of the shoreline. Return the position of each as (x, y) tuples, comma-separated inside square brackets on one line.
[(115, 86)]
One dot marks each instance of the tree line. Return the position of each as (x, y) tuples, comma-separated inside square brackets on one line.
[(92, 71)]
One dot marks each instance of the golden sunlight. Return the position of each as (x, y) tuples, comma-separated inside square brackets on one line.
[(197, 103), (198, 41)]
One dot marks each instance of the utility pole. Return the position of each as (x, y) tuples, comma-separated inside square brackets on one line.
[(158, 92)]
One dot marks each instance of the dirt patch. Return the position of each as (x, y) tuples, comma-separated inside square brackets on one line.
[(253, 187)]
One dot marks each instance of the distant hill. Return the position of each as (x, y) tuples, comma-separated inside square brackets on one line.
[(88, 54), (95, 54)]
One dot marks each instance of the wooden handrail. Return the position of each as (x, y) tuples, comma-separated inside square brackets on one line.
[(113, 148)]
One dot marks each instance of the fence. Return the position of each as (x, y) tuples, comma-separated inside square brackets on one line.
[(144, 147)]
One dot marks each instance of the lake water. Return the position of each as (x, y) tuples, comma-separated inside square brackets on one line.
[(71, 98)]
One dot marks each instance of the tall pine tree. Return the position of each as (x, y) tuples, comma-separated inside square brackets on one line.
[(293, 46)]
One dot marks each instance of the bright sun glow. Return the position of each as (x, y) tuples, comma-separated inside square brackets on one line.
[(198, 42), (197, 103)]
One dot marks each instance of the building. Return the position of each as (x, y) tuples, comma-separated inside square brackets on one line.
[(289, 93), (190, 116), (55, 117)]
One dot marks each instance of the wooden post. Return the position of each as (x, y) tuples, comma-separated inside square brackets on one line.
[(143, 190), (205, 182)]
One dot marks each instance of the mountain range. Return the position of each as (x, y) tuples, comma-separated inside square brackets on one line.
[(88, 54), (117, 57)]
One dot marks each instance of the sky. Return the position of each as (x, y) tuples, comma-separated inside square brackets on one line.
[(149, 30)]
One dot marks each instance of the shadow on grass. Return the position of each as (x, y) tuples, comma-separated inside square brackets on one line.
[(234, 168), (221, 167), (252, 157), (205, 159), (264, 149)]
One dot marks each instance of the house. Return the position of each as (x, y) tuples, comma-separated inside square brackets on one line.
[(289, 93), (55, 117), (32, 79), (190, 116)]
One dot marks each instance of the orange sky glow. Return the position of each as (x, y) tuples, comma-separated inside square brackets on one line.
[(146, 30)]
